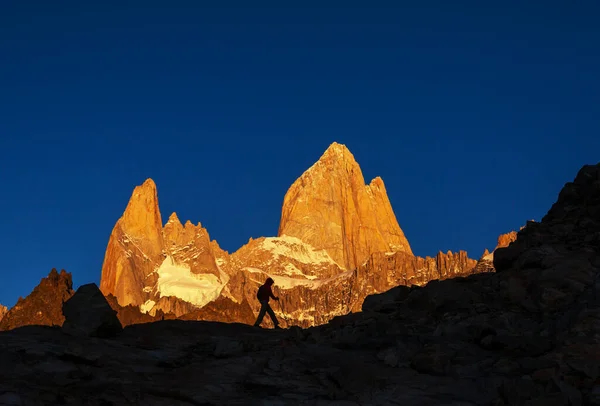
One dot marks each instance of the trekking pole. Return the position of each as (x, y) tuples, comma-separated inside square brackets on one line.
[(282, 311), (287, 323)]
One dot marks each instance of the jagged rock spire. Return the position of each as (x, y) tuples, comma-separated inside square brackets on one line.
[(330, 207), (134, 247)]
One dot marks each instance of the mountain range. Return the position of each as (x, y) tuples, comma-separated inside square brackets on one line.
[(338, 241)]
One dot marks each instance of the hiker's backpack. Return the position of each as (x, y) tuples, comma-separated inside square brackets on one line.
[(259, 292)]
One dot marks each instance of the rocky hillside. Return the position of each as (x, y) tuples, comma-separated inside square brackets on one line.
[(338, 242), (43, 306), (527, 334)]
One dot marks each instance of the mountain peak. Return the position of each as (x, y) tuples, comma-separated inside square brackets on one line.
[(173, 219), (330, 207), (337, 149), (149, 184), (142, 210), (337, 154), (137, 234)]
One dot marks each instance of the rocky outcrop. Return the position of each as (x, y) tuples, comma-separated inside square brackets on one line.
[(569, 229), (44, 304), (505, 239), (88, 314), (3, 311), (330, 207), (486, 262), (387, 270)]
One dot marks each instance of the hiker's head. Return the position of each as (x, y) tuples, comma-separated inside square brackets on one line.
[(269, 282)]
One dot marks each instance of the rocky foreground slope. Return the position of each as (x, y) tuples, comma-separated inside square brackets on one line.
[(528, 334)]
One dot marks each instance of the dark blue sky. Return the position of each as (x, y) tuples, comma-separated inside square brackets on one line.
[(474, 115)]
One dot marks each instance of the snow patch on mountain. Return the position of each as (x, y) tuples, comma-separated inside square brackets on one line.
[(296, 249), (291, 270), (147, 306), (126, 240), (286, 282), (177, 280), (227, 293)]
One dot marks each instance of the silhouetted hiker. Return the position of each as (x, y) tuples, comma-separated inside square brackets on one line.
[(263, 295)]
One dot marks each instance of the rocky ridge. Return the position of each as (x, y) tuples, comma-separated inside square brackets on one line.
[(528, 334), (43, 306)]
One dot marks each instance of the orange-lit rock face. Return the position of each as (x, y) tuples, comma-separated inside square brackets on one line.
[(331, 208), (139, 246), (134, 248), (505, 239)]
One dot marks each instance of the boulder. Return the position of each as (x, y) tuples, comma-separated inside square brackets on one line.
[(387, 301), (88, 313)]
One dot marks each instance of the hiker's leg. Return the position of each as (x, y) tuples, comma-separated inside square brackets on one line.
[(261, 313), (272, 315)]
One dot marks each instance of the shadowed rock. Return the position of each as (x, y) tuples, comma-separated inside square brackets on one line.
[(88, 313), (571, 226)]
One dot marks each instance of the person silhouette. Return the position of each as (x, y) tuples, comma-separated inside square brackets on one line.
[(263, 295)]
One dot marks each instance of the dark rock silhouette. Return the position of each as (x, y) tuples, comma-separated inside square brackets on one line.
[(525, 335), (44, 304), (87, 313), (486, 262), (569, 229)]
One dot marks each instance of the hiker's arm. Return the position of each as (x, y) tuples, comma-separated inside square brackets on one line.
[(272, 295)]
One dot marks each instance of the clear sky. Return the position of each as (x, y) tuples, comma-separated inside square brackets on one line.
[(474, 116)]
